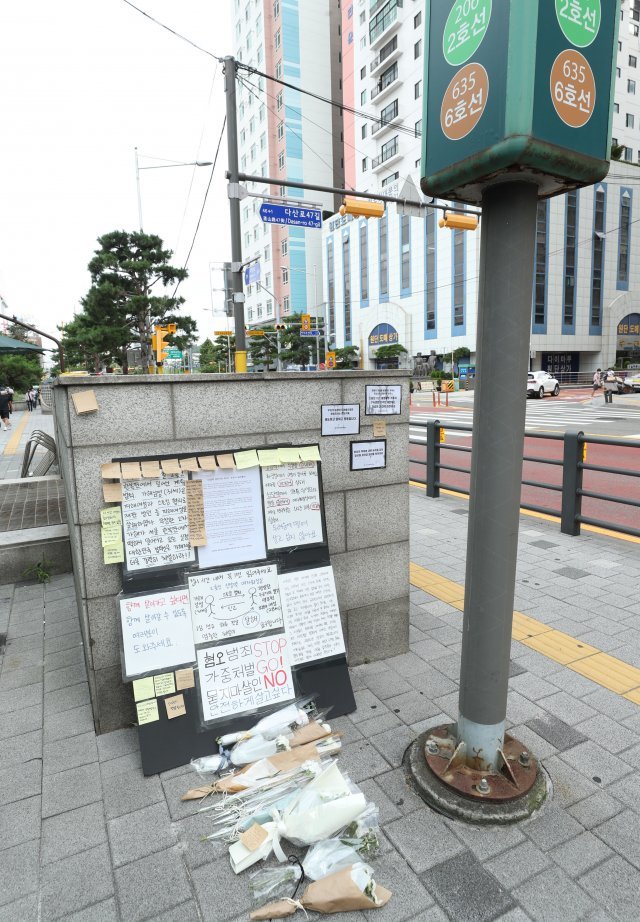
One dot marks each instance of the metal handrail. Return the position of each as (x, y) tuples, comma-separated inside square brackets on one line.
[(572, 463)]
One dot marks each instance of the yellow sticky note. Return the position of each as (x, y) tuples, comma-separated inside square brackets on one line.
[(147, 711), (143, 689), (268, 457), (130, 470), (310, 453), (207, 462), (111, 516), (165, 684), (111, 534), (185, 678), (246, 459), (225, 461), (150, 468), (113, 553), (289, 455), (189, 464), (112, 492), (379, 428), (175, 706), (170, 466), (110, 471)]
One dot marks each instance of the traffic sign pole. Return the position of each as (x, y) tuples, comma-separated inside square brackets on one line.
[(234, 214)]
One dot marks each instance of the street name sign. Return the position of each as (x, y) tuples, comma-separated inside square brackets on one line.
[(287, 214), (252, 273), (521, 90), (222, 333), (309, 332)]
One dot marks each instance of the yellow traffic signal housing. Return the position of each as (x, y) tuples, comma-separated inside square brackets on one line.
[(171, 327), (306, 322), (158, 341), (363, 208), (456, 221)]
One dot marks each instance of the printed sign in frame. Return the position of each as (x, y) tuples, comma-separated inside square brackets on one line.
[(340, 419), (368, 455), (383, 399)]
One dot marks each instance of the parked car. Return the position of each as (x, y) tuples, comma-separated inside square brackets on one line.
[(632, 381), (540, 383)]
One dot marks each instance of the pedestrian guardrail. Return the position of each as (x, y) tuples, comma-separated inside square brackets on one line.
[(572, 462)]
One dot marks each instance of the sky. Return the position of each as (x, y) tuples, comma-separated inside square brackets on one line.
[(85, 82)]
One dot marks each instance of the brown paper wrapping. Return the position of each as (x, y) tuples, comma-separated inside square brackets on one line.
[(309, 734), (278, 910), (338, 893)]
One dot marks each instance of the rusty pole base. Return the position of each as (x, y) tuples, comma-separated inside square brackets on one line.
[(442, 779)]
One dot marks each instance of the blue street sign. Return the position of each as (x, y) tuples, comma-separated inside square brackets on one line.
[(252, 273), (287, 214), (309, 332)]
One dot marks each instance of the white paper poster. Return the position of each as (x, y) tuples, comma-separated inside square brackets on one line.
[(366, 456), (383, 399), (311, 614), (233, 517), (154, 519), (234, 602), (292, 505), (244, 676), (156, 631), (340, 419)]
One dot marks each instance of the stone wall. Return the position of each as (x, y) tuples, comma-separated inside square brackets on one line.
[(367, 512)]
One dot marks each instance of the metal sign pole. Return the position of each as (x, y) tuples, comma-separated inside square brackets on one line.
[(234, 214)]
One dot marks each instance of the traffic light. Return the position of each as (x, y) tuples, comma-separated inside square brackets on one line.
[(363, 208), (330, 359), (171, 327), (306, 322), (158, 340), (280, 327), (454, 220)]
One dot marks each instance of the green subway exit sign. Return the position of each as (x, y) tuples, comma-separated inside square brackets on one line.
[(518, 89)]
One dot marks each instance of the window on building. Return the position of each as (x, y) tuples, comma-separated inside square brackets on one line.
[(243, 162), (430, 268), (616, 107), (628, 154), (389, 179), (285, 276), (363, 97), (405, 254), (631, 86), (417, 49), (389, 113), (267, 280), (363, 73), (630, 120), (417, 20), (267, 254), (284, 247), (252, 124), (280, 131), (285, 304), (277, 40), (633, 61), (365, 164), (346, 282), (624, 238), (278, 69), (618, 72), (363, 131), (540, 277), (383, 261), (417, 128), (263, 113), (570, 252), (281, 160), (417, 90), (269, 308), (331, 287), (634, 29), (363, 17), (364, 262), (279, 101), (263, 142), (249, 291), (259, 311), (597, 261), (253, 152), (276, 9), (458, 278)]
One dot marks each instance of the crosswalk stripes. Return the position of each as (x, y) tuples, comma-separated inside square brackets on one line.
[(539, 415)]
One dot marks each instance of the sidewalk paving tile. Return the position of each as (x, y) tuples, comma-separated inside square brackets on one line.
[(130, 791), (70, 753), (21, 748), (466, 891), (486, 841), (76, 787), (74, 722), (555, 731), (18, 782), (551, 826), (615, 884), (66, 699), (106, 911), (593, 760), (20, 822), (20, 871), (16, 699), (423, 839), (622, 833), (23, 910), (580, 854), (551, 896), (76, 882), (595, 809), (515, 866), (152, 885), (410, 896), (18, 722), (136, 835), (73, 832), (219, 896)]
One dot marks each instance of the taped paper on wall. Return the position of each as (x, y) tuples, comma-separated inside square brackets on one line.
[(234, 602), (292, 505), (84, 402), (112, 492), (156, 631), (154, 515), (244, 676), (195, 513), (311, 614), (233, 518), (147, 711)]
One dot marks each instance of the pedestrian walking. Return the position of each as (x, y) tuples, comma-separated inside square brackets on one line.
[(610, 385), (6, 395), (597, 381), (29, 401), (33, 395)]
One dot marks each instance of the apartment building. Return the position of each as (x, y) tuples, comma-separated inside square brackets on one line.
[(404, 280), (285, 134)]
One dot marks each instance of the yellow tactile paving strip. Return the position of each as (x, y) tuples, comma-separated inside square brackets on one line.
[(601, 668), (14, 439)]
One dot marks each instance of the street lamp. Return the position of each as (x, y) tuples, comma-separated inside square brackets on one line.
[(160, 166)]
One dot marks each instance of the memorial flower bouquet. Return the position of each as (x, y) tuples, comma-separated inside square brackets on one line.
[(350, 889), (291, 716), (325, 805)]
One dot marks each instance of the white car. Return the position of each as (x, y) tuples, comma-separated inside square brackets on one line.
[(633, 381), (540, 383)]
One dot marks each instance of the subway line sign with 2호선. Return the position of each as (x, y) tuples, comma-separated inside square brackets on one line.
[(517, 87)]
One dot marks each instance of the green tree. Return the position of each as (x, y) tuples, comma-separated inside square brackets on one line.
[(297, 349), (264, 349), (461, 353), (130, 273), (206, 352), (215, 356), (15, 331), (347, 357), (20, 372), (617, 151), (390, 355)]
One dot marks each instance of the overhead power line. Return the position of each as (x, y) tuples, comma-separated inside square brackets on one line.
[(173, 31)]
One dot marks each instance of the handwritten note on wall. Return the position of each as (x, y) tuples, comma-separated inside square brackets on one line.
[(233, 517), (292, 505), (311, 614), (156, 631), (244, 676), (234, 602), (156, 530)]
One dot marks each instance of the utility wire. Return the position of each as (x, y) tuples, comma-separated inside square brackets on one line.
[(173, 31), (195, 234)]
